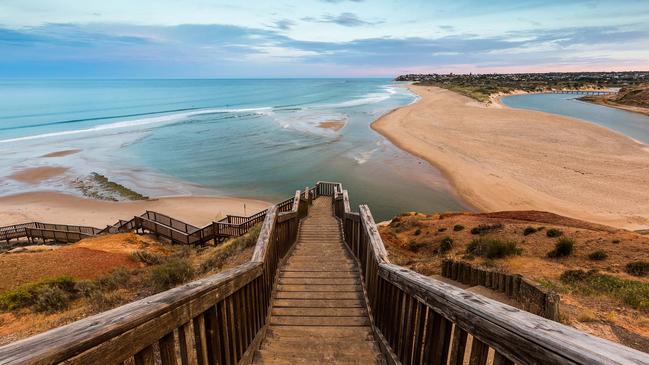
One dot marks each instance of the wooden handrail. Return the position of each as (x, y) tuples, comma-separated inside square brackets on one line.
[(218, 319), (420, 319)]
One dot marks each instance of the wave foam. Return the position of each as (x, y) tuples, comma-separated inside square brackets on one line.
[(137, 123)]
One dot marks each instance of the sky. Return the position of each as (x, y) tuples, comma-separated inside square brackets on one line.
[(318, 38)]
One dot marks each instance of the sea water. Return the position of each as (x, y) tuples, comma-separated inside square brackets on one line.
[(631, 124), (247, 138)]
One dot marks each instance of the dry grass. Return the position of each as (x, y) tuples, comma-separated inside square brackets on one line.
[(105, 272), (617, 312)]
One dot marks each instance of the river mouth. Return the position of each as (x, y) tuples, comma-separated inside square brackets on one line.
[(632, 125), (253, 138)]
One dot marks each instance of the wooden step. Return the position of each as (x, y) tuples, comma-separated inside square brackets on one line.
[(320, 312), (318, 287), (320, 281), (318, 321), (317, 295), (320, 332), (268, 358), (318, 274), (318, 303)]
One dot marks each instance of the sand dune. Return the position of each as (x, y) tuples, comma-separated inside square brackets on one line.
[(507, 159)]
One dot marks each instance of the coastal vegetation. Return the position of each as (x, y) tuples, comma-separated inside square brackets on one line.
[(611, 301), (42, 294), (482, 86), (632, 98)]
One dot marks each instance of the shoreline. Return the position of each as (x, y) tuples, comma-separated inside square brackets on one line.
[(61, 208), (499, 158), (496, 101), (628, 108)]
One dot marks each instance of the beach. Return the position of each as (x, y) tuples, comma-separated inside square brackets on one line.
[(509, 159), (60, 208)]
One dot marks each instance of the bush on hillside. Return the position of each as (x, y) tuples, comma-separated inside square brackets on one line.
[(562, 248), (486, 228), (171, 273), (446, 244), (43, 293), (638, 268), (529, 230), (553, 232), (492, 248), (598, 255), (146, 257), (458, 227), (631, 292)]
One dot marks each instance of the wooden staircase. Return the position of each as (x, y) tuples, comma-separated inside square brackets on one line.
[(318, 312)]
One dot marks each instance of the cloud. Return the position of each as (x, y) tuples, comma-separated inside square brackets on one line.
[(340, 1), (344, 19), (216, 50), (284, 24)]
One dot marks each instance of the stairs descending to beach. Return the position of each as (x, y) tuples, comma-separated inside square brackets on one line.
[(318, 311)]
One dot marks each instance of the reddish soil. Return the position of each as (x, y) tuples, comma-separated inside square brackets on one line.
[(78, 262), (413, 240)]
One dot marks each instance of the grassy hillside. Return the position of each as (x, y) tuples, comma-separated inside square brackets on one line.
[(601, 273)]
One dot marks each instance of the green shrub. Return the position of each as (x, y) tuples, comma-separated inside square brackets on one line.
[(443, 229), (573, 276), (616, 241), (417, 232), (229, 248), (414, 246), (562, 248), (41, 293), (492, 248), (115, 279), (171, 274), (631, 292), (51, 299), (598, 255), (149, 258), (486, 228), (458, 227), (528, 231), (446, 244), (638, 268), (553, 232)]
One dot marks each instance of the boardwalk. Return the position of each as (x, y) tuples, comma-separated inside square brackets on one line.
[(318, 312), (301, 300)]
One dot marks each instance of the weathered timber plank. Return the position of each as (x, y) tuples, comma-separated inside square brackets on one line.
[(520, 336)]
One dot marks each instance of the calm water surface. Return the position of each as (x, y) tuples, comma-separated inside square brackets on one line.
[(630, 124), (250, 138)]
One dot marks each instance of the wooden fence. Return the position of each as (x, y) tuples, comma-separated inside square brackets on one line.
[(217, 320), (419, 320), (531, 296), (159, 224)]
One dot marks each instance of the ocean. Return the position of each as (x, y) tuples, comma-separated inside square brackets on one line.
[(246, 138)]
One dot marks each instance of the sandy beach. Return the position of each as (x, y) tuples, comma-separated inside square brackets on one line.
[(53, 207), (509, 159)]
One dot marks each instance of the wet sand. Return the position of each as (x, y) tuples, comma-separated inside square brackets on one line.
[(508, 159), (53, 207), (61, 153), (334, 125), (35, 175)]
